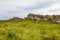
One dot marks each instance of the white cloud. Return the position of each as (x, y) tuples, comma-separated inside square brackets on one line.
[(54, 9), (20, 8)]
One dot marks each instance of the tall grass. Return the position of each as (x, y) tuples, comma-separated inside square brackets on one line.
[(29, 30)]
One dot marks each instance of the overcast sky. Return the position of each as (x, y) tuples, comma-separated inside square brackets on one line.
[(20, 8)]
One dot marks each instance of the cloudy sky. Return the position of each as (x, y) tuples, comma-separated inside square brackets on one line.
[(20, 8)]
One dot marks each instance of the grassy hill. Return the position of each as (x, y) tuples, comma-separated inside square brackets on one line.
[(29, 30)]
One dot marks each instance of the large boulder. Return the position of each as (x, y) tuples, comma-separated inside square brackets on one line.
[(57, 19), (40, 16), (31, 15), (47, 17), (34, 17)]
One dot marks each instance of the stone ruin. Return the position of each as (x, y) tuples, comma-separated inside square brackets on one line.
[(37, 17)]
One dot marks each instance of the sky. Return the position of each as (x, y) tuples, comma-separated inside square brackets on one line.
[(21, 8)]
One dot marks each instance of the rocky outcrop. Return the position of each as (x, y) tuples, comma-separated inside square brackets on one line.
[(15, 19), (37, 17)]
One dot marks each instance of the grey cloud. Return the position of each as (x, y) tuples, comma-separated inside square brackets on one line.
[(6, 16), (55, 10), (39, 5), (12, 12)]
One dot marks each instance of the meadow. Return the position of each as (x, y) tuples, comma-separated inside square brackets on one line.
[(29, 30)]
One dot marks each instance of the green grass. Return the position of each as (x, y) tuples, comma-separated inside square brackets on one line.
[(29, 30)]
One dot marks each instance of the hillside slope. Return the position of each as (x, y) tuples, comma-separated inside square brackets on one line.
[(29, 30)]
